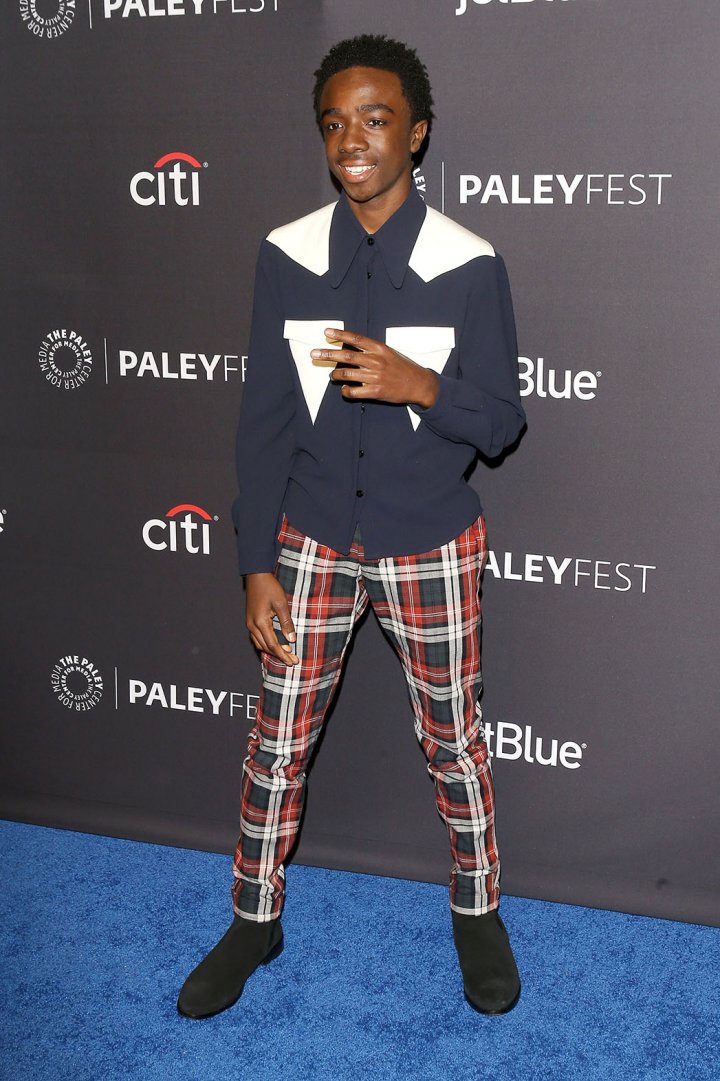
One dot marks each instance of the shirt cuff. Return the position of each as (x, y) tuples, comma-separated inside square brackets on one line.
[(440, 406), (257, 560)]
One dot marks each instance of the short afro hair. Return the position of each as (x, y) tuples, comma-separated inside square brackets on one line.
[(379, 51)]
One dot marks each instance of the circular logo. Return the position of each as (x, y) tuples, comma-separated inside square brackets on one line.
[(47, 18), (65, 359), (77, 683)]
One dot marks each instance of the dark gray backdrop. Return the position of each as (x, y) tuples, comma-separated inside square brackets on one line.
[(617, 664)]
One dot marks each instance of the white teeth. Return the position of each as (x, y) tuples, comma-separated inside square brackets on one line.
[(355, 170)]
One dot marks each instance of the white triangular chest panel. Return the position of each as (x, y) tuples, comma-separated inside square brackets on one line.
[(302, 336), (443, 245), (307, 240), (429, 346)]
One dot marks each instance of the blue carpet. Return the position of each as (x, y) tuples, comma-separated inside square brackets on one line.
[(98, 934)]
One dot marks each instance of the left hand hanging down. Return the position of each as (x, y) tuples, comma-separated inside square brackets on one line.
[(377, 372)]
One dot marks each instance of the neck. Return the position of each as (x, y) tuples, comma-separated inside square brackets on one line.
[(373, 214)]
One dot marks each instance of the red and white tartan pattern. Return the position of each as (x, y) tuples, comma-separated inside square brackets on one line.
[(429, 606)]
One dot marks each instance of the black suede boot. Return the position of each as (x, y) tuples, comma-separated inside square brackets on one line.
[(490, 975), (219, 979)]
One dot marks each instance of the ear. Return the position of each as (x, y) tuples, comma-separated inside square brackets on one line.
[(417, 134)]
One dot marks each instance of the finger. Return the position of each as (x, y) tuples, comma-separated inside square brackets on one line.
[(285, 620), (353, 375), (364, 391), (260, 646), (270, 643), (351, 337), (339, 356), (357, 360), (278, 648)]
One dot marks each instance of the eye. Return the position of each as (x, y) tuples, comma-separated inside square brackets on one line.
[(377, 122), (333, 125)]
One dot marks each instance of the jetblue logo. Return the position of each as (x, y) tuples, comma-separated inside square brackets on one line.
[(536, 377), (464, 5), (507, 740)]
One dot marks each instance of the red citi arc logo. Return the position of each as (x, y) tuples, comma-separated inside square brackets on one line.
[(179, 185), (180, 530)]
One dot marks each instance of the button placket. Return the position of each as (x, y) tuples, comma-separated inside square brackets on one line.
[(369, 262)]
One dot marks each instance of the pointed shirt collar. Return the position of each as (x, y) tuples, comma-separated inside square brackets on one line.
[(395, 239)]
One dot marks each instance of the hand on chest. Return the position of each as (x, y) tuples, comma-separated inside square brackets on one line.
[(429, 346)]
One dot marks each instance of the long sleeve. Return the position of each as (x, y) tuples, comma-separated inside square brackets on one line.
[(482, 407), (265, 435)]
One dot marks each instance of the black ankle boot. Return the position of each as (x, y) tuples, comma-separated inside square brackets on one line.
[(219, 979), (490, 975)]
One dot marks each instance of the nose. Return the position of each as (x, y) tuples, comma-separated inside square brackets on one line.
[(353, 138)]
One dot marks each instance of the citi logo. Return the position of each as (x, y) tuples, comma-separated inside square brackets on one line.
[(535, 378), (178, 185), (180, 530), (463, 4), (511, 741)]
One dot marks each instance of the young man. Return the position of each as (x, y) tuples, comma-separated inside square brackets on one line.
[(382, 358)]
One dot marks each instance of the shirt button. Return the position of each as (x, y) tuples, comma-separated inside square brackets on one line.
[(359, 493), (369, 273), (361, 454), (371, 240), (362, 408)]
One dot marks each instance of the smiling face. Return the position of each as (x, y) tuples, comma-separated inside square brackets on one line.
[(369, 140)]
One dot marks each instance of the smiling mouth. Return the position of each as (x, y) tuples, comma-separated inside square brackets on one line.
[(355, 172)]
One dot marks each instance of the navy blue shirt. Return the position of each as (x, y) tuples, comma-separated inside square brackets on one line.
[(434, 292)]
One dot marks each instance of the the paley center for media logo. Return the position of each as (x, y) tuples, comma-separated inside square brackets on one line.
[(176, 180), (184, 528), (65, 358), (52, 18), (77, 682), (78, 685), (47, 18)]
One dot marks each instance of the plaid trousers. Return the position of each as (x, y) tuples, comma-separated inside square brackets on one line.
[(429, 607)]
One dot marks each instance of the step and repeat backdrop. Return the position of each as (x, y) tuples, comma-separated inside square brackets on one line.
[(149, 146)]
